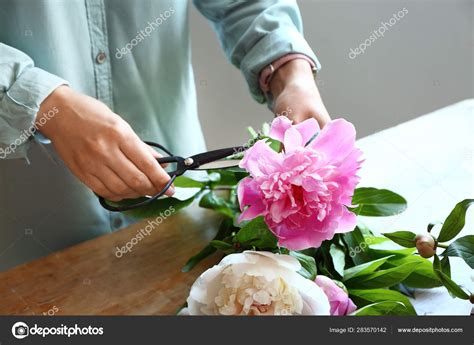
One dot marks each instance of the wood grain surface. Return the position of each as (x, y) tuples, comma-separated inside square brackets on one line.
[(89, 279)]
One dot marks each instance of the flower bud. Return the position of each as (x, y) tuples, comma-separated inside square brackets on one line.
[(426, 245)]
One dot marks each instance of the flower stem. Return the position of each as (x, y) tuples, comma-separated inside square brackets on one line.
[(220, 187), (442, 245)]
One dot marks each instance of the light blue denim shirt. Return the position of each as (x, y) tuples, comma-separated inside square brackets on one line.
[(135, 57)]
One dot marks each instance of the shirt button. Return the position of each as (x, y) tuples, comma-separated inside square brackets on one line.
[(117, 223), (101, 57)]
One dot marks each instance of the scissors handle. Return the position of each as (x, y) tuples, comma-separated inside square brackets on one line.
[(145, 202), (171, 159)]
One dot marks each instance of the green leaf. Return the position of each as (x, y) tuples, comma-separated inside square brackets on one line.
[(366, 297), (364, 268), (159, 206), (432, 225), (193, 261), (221, 245), (455, 221), (253, 134), (184, 305), (422, 277), (375, 253), (229, 176), (186, 182), (382, 278), (375, 202), (356, 246), (446, 266), (256, 233), (308, 265), (225, 228), (404, 290), (403, 238), (212, 201), (275, 145), (213, 176), (372, 240), (463, 247), (454, 289), (266, 129), (338, 259), (383, 308), (323, 259)]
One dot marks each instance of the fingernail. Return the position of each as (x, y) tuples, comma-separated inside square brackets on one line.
[(171, 190)]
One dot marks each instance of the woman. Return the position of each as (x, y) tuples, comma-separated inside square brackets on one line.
[(83, 82)]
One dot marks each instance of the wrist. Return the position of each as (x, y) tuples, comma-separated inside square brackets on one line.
[(296, 73), (51, 105)]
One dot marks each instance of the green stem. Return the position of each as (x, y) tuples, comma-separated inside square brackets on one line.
[(223, 188), (442, 245)]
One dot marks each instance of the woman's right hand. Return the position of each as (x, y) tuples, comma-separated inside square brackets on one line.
[(99, 147)]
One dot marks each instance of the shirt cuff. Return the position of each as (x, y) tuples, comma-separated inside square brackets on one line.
[(275, 45), (20, 105)]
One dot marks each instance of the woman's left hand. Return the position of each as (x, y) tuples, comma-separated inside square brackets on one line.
[(296, 95)]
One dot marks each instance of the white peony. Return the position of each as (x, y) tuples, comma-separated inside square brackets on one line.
[(256, 283)]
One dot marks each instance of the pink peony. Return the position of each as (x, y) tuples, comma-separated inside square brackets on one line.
[(303, 191), (340, 302)]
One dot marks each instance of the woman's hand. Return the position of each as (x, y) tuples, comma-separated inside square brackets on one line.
[(295, 93), (100, 148)]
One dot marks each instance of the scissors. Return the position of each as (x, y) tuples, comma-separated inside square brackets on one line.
[(202, 161)]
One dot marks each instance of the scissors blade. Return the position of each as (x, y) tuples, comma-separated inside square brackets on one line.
[(220, 164), (204, 158)]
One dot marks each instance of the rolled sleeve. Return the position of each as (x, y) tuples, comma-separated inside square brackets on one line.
[(23, 87), (256, 33), (275, 45)]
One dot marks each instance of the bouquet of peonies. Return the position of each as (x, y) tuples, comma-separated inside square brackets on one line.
[(291, 239)]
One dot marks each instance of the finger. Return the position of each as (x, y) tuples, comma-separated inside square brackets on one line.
[(131, 175), (137, 151), (115, 184), (92, 182), (99, 188), (157, 155)]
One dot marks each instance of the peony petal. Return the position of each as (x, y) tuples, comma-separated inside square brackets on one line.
[(340, 302), (260, 159), (336, 140), (203, 289), (351, 307), (278, 128), (296, 240), (248, 195), (292, 139), (309, 235), (282, 260), (315, 300), (308, 128), (347, 221)]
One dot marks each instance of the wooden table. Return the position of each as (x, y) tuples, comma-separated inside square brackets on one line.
[(89, 279)]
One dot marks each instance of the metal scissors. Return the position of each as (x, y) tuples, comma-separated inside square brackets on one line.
[(203, 161)]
